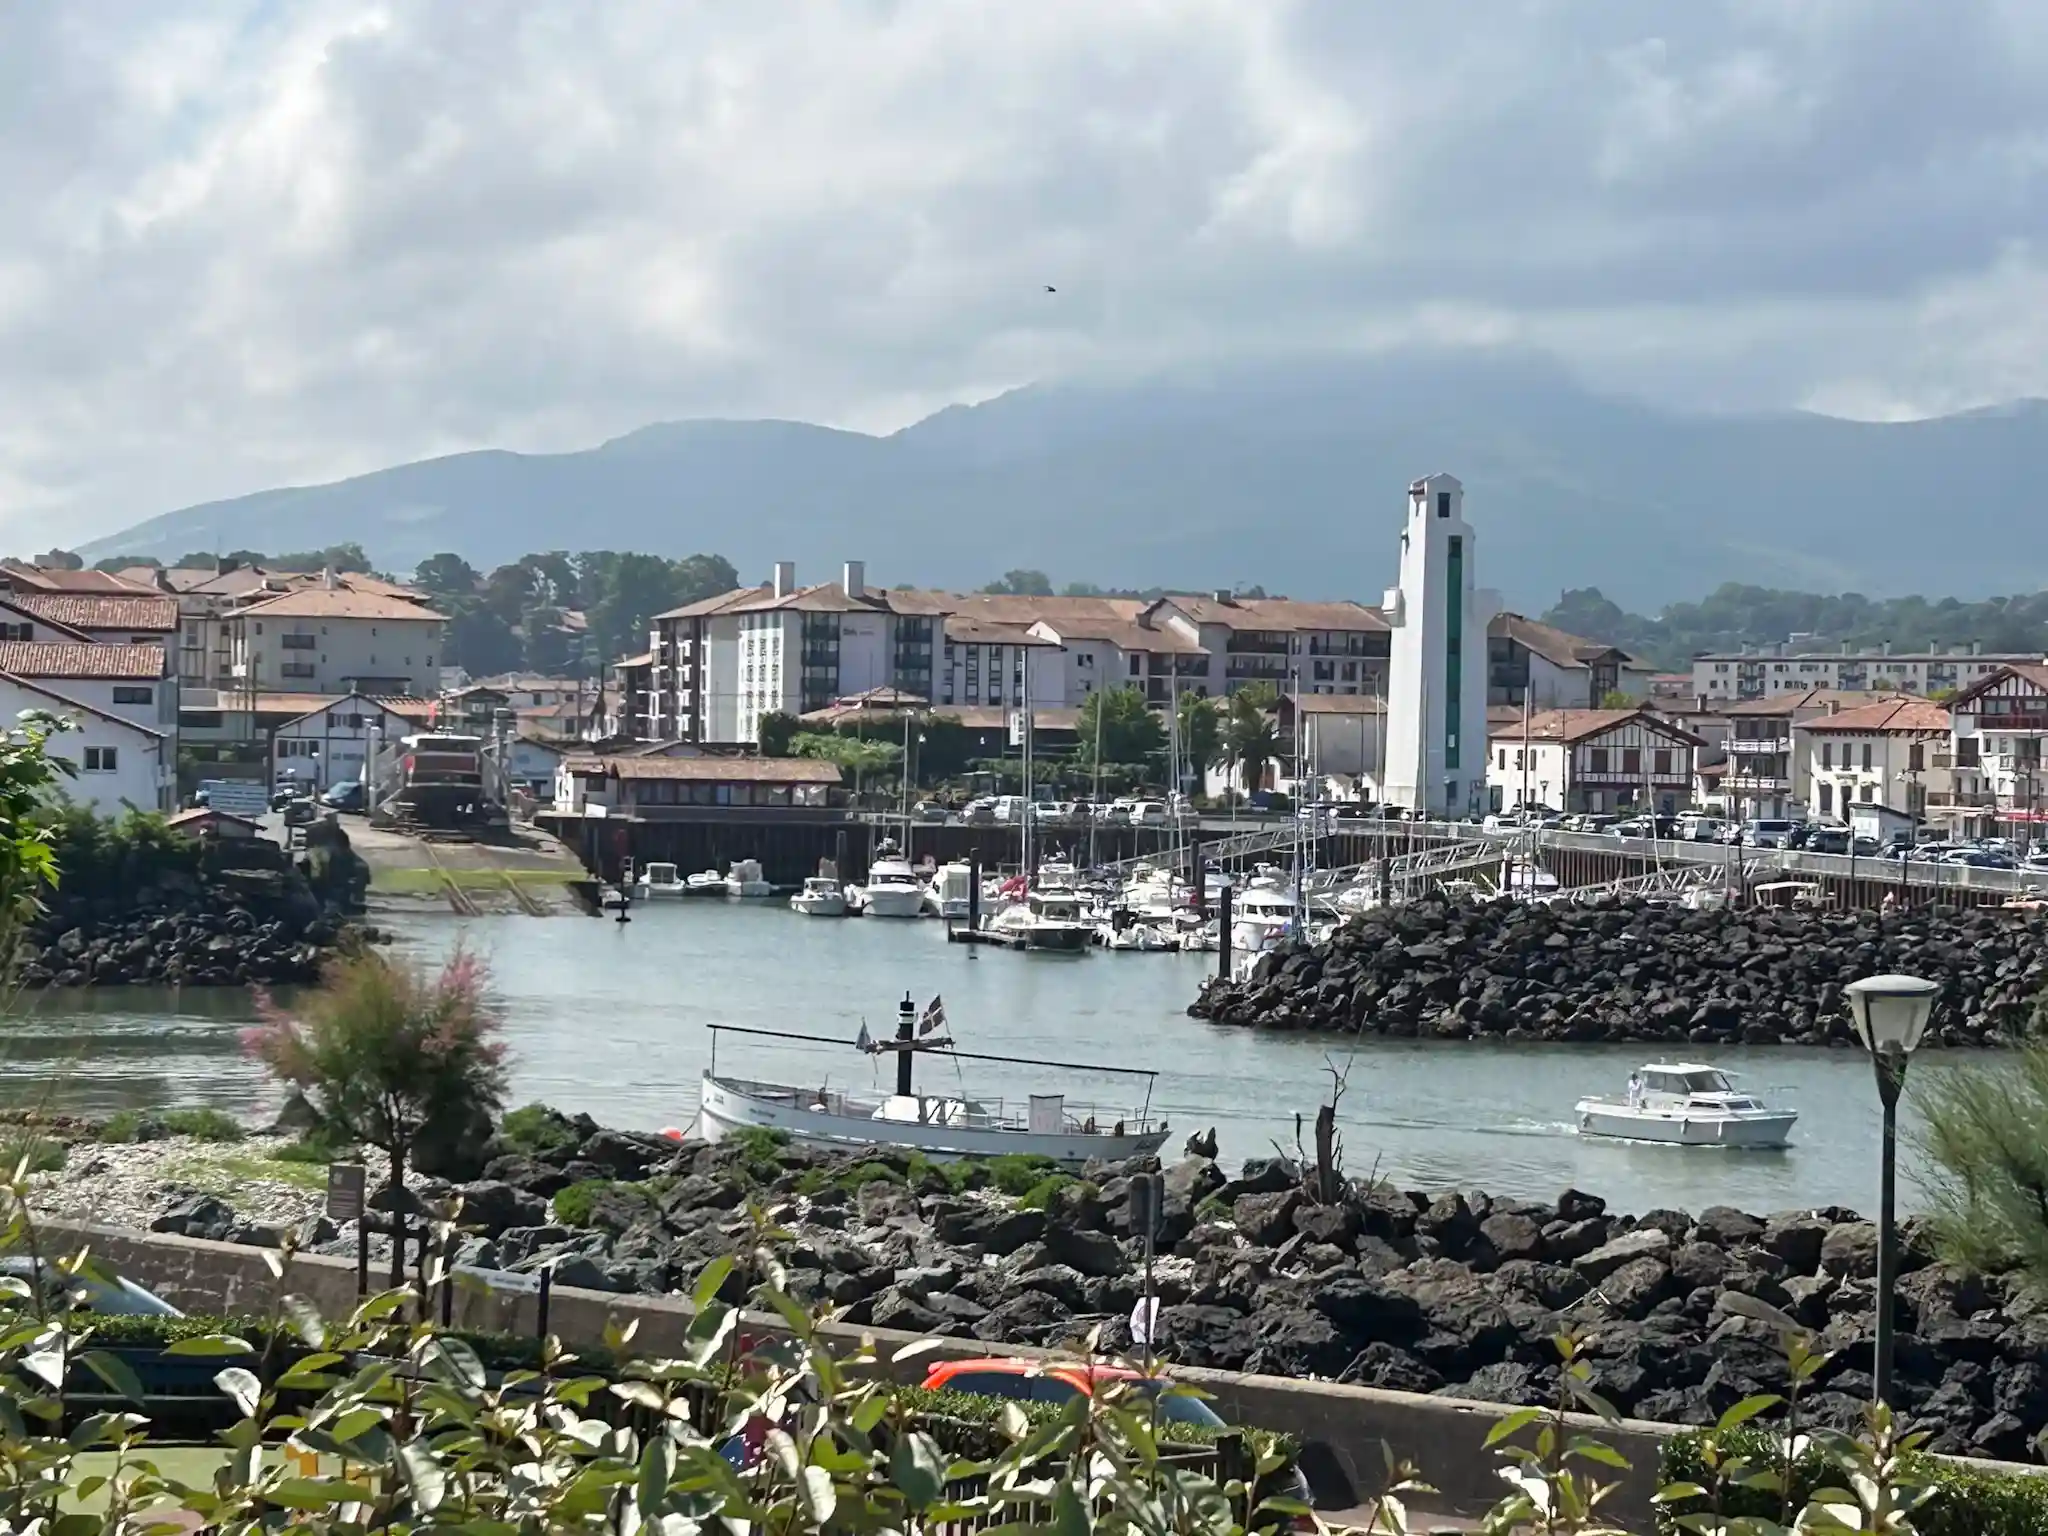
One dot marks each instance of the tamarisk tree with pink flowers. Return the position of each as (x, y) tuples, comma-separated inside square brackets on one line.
[(382, 1049)]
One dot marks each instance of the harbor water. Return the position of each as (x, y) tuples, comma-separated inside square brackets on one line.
[(612, 1019)]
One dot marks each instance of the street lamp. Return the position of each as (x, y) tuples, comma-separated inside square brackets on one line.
[(1891, 1015)]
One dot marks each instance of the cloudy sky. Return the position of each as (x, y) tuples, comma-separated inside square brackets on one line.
[(255, 242)]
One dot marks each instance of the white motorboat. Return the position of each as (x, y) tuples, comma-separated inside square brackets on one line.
[(659, 882), (1047, 919), (950, 889), (893, 890), (946, 1125), (745, 881), (1135, 935), (1686, 1104), (820, 897), (1526, 880), (706, 882)]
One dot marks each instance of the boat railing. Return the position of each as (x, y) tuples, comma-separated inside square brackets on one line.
[(980, 1113)]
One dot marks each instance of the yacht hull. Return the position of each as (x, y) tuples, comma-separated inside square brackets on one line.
[(893, 901), (1758, 1128), (726, 1106)]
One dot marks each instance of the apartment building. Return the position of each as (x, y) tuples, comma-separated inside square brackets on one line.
[(106, 618), (1890, 754), (332, 639), (990, 663), (1770, 757), (1545, 668), (1298, 647), (1590, 760), (719, 665), (1755, 676), (1996, 730)]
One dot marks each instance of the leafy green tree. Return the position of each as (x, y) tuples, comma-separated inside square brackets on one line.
[(632, 590), (480, 642), (61, 560), (943, 750), (446, 575), (1201, 735), (382, 1049), (243, 557), (348, 557), (776, 731), (1985, 1136), (862, 759), (30, 777), (197, 560), (1116, 721), (510, 590), (1021, 584), (123, 562), (1251, 739), (1614, 698)]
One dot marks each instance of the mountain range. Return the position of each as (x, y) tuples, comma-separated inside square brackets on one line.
[(1291, 477)]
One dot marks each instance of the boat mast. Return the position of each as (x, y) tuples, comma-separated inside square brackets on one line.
[(906, 1037), (1024, 710)]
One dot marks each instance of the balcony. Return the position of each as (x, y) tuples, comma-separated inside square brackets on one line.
[(1242, 646), (821, 656), (299, 642), (1741, 746), (1772, 783), (1976, 799), (298, 669)]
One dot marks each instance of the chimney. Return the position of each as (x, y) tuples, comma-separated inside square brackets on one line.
[(1225, 595), (853, 581), (1885, 648), (1976, 647), (160, 579), (327, 578), (785, 577)]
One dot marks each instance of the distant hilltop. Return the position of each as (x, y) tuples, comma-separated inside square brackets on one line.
[(1290, 478)]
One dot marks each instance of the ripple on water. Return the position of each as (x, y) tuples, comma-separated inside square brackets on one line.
[(611, 1019)]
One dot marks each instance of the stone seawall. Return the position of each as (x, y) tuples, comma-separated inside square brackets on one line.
[(1639, 971)]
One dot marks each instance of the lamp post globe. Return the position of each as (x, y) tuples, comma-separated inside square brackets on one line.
[(1890, 1014)]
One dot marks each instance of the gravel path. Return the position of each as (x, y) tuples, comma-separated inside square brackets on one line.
[(130, 1184)]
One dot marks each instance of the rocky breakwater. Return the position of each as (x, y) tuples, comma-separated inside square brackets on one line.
[(1632, 970), (222, 913), (1459, 1295)]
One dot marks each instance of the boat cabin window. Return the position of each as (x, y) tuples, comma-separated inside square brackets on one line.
[(1703, 1081)]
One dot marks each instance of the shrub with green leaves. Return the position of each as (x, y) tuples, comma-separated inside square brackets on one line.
[(204, 1124), (534, 1129)]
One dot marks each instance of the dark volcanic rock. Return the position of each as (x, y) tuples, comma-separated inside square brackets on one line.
[(1757, 975)]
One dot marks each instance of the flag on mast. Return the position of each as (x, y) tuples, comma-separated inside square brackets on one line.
[(866, 1042), (931, 1025)]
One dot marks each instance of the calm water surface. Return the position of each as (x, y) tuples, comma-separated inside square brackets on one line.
[(611, 1020)]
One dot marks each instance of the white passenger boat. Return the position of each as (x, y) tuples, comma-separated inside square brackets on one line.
[(951, 1124), (659, 882), (948, 893), (820, 897), (1135, 934), (706, 882), (1047, 919), (893, 890), (1686, 1104), (745, 881)]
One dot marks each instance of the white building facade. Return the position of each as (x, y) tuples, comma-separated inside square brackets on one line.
[(1752, 676), (117, 762), (332, 640), (1997, 731), (1436, 685), (1592, 761), (1889, 754)]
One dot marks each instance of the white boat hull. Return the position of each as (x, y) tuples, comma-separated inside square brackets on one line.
[(664, 892), (748, 890), (725, 1106), (1750, 1128), (892, 901), (811, 905)]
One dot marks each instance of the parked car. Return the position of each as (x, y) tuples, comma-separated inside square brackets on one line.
[(1827, 840), (1060, 1381), (1357, 810), (1119, 809), (1149, 813), (930, 810), (979, 812), (348, 795), (1702, 829), (1767, 832), (301, 813)]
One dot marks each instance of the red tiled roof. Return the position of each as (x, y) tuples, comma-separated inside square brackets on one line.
[(77, 658), (1914, 715), (101, 610), (1578, 724), (340, 603)]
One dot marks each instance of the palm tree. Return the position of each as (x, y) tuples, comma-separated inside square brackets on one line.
[(1251, 741)]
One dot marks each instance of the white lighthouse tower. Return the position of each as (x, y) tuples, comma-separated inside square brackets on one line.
[(1436, 678)]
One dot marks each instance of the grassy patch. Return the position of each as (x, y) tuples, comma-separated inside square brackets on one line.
[(312, 1151), (536, 1128), (1040, 1196), (574, 1205), (1018, 1175), (130, 1125), (227, 1174)]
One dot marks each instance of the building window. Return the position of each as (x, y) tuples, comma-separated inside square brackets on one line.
[(1443, 503), (100, 759), (1596, 760), (17, 631), (1866, 757), (1827, 799), (130, 695), (1631, 760), (1827, 756), (1915, 758), (1661, 762)]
